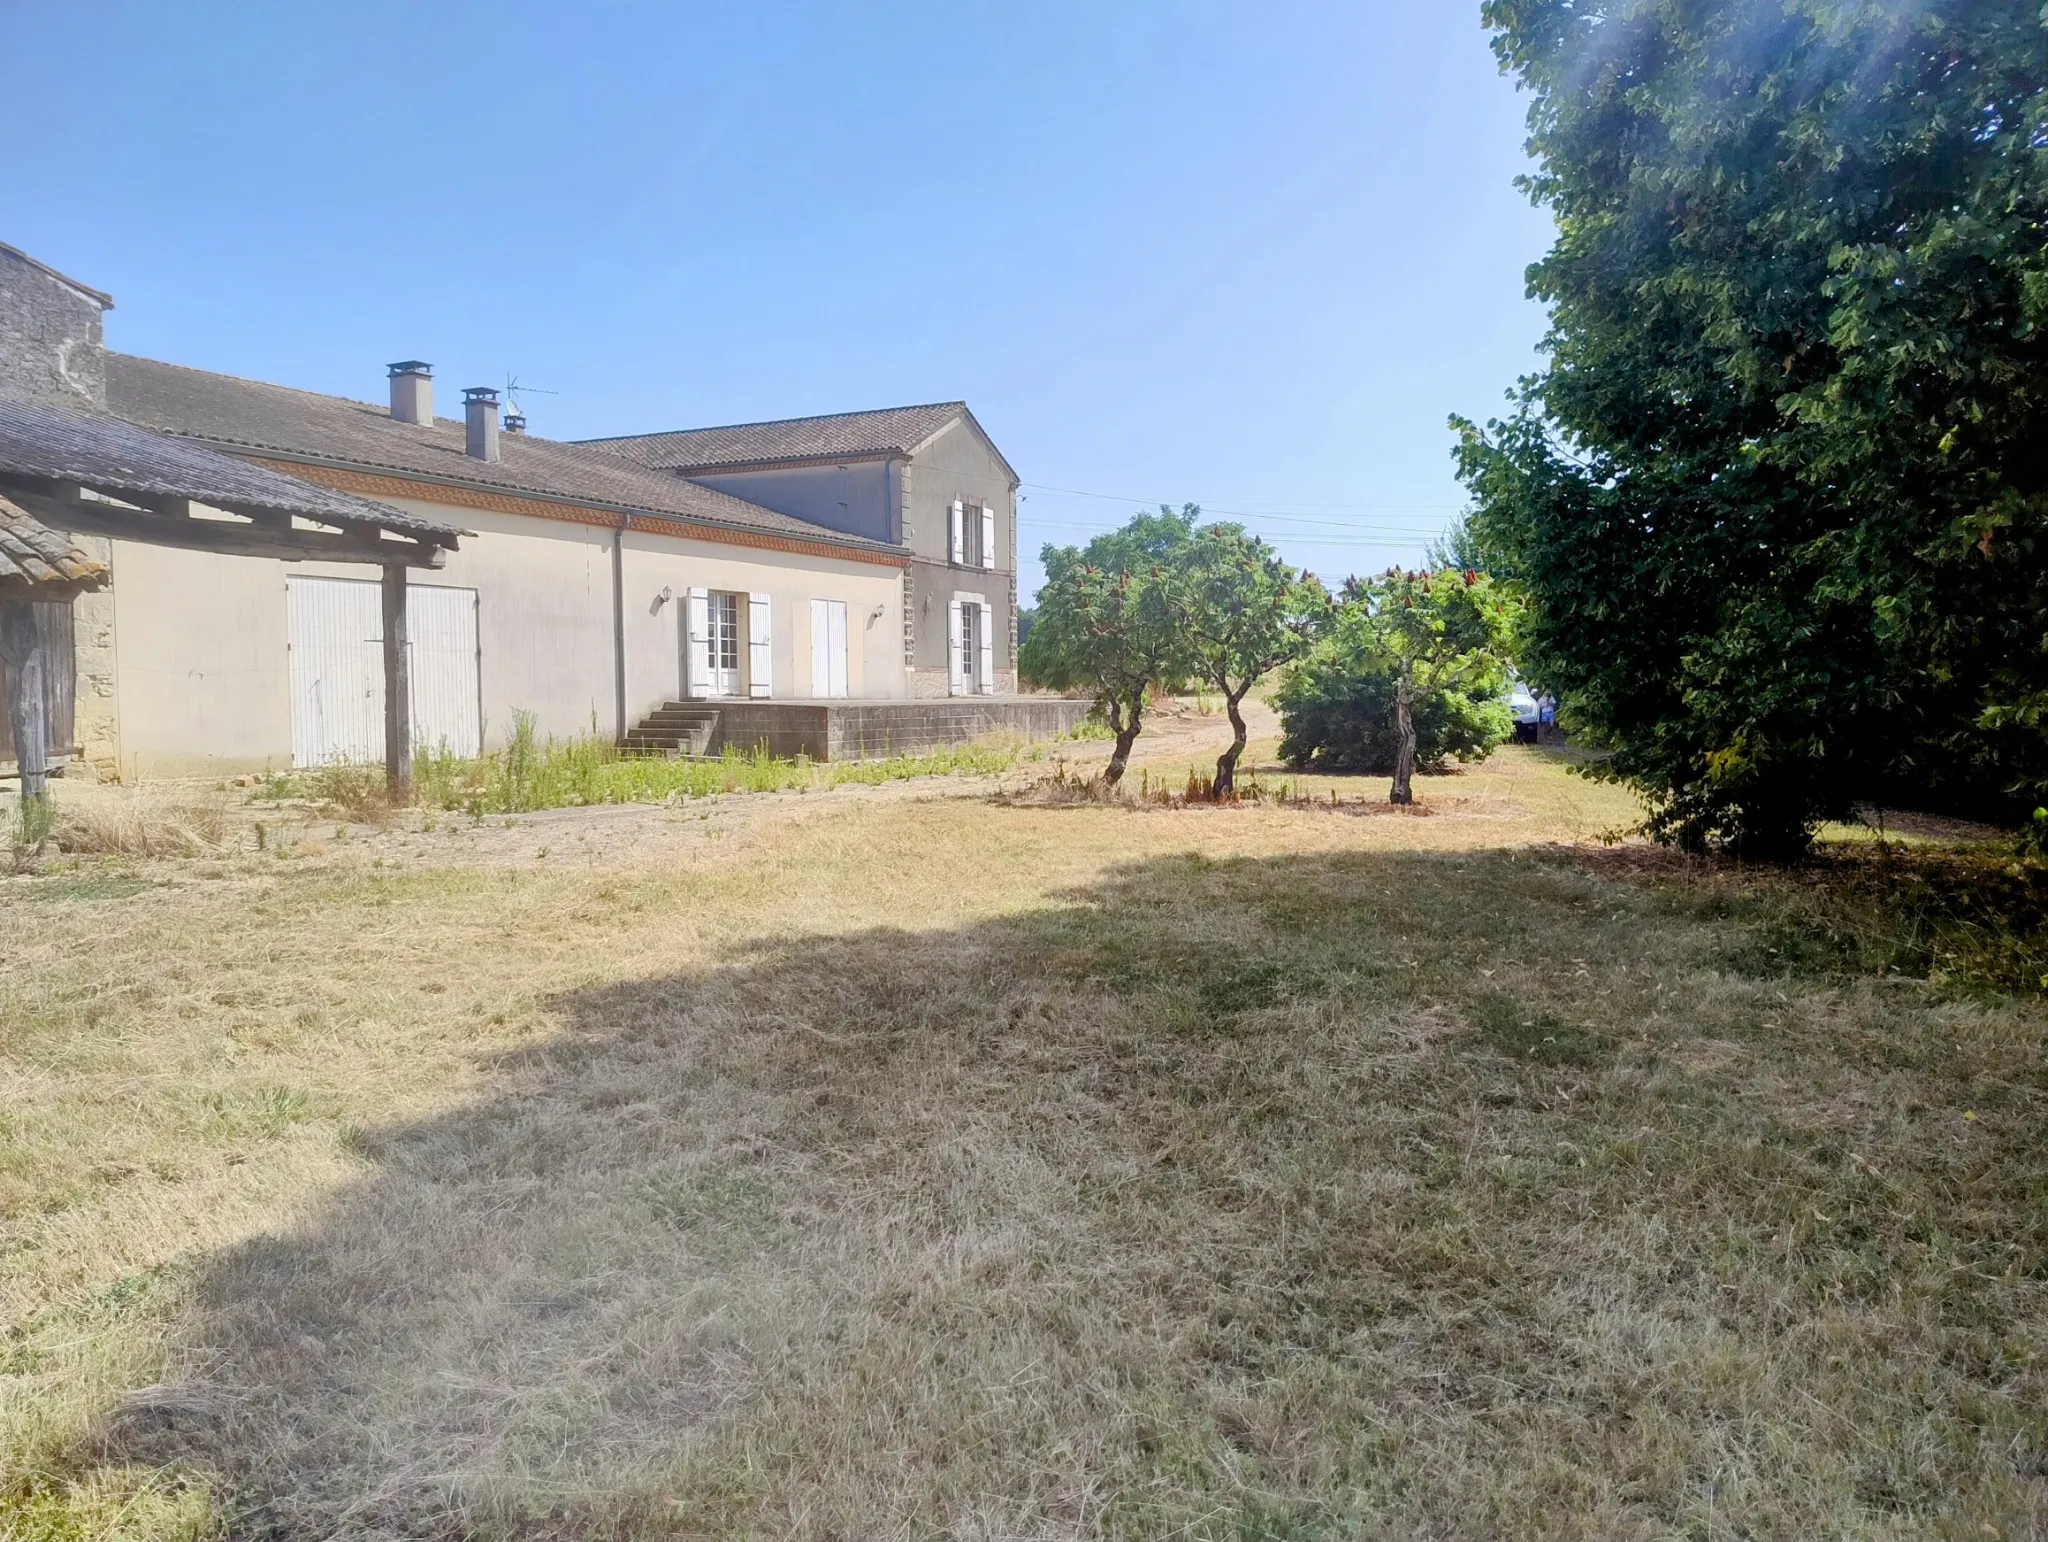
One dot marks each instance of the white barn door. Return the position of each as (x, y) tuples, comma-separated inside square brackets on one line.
[(337, 670), (447, 706)]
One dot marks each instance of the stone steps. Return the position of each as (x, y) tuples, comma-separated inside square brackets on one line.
[(675, 728)]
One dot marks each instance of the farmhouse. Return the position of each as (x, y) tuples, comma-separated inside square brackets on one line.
[(928, 479), (841, 585)]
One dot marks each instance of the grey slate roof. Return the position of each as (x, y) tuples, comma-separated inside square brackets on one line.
[(112, 456), (35, 558), (887, 431), (255, 418)]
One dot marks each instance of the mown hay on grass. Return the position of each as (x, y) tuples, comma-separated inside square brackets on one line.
[(144, 822), (939, 1167)]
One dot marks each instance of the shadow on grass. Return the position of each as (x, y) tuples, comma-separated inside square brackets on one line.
[(1422, 1197)]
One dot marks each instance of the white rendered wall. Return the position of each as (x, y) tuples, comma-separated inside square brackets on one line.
[(203, 663)]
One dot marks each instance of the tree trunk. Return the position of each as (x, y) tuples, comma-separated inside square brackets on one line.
[(1126, 736), (21, 646), (1226, 763), (1404, 738)]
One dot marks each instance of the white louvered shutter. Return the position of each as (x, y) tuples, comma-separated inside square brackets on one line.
[(956, 677), (988, 538), (957, 527), (836, 658), (760, 650), (697, 642), (988, 650), (821, 648)]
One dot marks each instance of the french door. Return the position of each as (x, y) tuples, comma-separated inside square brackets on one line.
[(722, 635)]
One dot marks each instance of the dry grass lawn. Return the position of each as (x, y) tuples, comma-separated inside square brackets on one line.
[(913, 1163)]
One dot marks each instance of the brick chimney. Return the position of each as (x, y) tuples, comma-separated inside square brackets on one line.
[(412, 391), (480, 414)]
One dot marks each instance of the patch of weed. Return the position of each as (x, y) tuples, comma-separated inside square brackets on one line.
[(88, 887), (264, 1113), (1525, 1032)]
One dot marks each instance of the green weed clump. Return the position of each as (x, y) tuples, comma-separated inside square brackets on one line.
[(30, 829), (531, 773)]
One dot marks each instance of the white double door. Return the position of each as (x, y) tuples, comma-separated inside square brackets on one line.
[(336, 628), (828, 648)]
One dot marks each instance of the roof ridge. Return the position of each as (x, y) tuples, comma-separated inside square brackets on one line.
[(809, 417)]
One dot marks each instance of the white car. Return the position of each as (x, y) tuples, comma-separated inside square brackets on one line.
[(1522, 705)]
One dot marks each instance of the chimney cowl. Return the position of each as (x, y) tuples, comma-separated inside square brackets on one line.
[(515, 422), (480, 418), (412, 391)]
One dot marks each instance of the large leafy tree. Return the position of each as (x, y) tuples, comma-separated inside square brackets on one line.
[(1242, 613), (1106, 623), (1412, 669), (1779, 498)]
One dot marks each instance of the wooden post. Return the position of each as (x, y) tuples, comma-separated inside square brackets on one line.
[(1403, 792), (21, 644), (397, 690)]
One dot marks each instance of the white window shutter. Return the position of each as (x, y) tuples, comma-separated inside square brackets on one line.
[(988, 650), (956, 677), (988, 538), (760, 650), (697, 642), (958, 529), (836, 621), (821, 648)]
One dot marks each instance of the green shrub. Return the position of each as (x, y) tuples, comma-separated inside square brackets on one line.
[(1337, 714)]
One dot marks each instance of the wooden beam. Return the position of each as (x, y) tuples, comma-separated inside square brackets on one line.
[(21, 645), (220, 536), (397, 690)]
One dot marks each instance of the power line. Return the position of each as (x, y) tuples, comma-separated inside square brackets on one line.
[(1292, 503), (1275, 512), (1274, 525)]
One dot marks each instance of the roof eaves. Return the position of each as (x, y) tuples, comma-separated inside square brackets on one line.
[(822, 537)]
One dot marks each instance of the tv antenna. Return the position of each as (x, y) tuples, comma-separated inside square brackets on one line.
[(514, 390)]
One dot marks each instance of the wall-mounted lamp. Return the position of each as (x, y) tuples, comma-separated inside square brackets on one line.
[(660, 600)]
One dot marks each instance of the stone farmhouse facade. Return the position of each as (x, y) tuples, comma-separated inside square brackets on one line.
[(860, 559)]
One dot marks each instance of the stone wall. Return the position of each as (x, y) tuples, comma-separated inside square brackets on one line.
[(51, 342), (874, 730), (96, 717)]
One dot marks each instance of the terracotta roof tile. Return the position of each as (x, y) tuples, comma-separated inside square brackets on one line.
[(41, 560)]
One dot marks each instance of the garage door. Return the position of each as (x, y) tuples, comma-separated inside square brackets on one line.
[(337, 668)]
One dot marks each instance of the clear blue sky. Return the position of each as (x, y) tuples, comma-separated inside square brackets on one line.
[(1244, 255)]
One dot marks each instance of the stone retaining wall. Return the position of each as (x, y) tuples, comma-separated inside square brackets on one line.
[(875, 730)]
